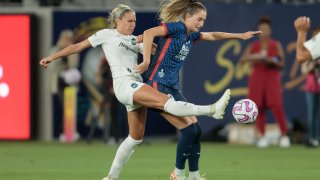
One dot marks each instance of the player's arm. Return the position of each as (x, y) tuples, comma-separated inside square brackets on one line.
[(214, 36), (302, 24), (71, 49), (302, 53), (154, 46), (148, 37)]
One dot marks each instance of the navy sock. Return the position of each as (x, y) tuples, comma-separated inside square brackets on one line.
[(194, 157), (184, 146)]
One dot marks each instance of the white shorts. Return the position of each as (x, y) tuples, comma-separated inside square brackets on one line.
[(124, 88)]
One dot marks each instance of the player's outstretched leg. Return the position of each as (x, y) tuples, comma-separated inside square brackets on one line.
[(219, 107)]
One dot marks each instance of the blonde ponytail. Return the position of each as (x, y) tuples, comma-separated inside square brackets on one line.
[(176, 10)]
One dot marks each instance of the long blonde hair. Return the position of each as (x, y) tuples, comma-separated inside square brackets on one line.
[(117, 13), (176, 10)]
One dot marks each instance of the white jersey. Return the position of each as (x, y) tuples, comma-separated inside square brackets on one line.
[(120, 50), (313, 45)]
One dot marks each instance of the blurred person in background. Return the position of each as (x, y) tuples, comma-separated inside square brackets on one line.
[(306, 50), (312, 89), (121, 49), (268, 59), (181, 21), (63, 73)]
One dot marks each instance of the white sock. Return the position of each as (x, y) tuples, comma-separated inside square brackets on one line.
[(179, 172), (123, 155), (180, 108), (194, 175)]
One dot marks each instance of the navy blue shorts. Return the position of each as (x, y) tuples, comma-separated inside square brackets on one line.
[(176, 93)]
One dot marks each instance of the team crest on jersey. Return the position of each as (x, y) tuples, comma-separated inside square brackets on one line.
[(161, 73), (134, 85), (133, 41)]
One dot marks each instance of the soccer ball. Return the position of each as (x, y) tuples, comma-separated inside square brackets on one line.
[(245, 111)]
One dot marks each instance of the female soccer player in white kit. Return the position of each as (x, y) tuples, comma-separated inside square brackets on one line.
[(121, 49)]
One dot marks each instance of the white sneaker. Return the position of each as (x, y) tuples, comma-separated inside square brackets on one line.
[(284, 142), (173, 176), (263, 142), (219, 107)]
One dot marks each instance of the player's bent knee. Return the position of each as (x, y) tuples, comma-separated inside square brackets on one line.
[(191, 131), (163, 99)]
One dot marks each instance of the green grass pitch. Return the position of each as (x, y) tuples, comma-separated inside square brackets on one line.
[(80, 161)]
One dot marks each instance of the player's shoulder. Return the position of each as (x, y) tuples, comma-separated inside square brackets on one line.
[(106, 31), (176, 28), (175, 24)]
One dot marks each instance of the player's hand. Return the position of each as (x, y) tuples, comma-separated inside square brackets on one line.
[(141, 68), (45, 61), (302, 24), (139, 38), (249, 34)]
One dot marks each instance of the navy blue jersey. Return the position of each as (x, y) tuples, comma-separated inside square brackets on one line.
[(172, 51)]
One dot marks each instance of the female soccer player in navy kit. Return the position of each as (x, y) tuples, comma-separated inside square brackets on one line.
[(121, 49), (181, 22)]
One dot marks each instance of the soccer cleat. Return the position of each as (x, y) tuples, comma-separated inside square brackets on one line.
[(109, 178), (219, 107), (173, 176), (198, 178)]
